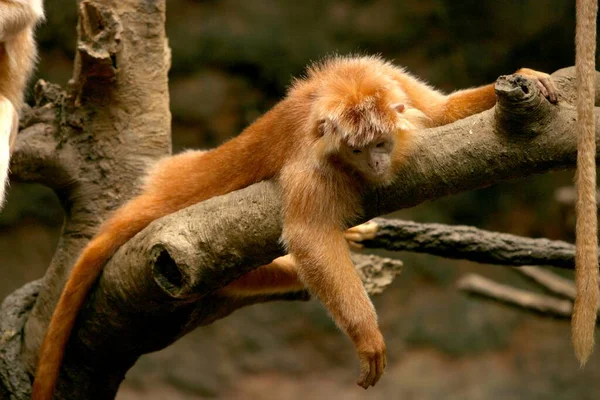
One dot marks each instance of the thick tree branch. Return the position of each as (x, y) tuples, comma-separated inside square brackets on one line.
[(521, 136), (173, 294), (174, 268), (92, 143)]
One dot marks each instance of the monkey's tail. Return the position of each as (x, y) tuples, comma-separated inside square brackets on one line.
[(9, 124), (585, 309), (122, 226)]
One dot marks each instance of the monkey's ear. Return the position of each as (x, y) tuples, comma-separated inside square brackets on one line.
[(324, 126), (412, 118), (399, 107), (321, 127)]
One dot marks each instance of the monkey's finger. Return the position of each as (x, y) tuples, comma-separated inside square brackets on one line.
[(542, 88), (543, 82), (380, 365), (353, 236), (372, 371), (364, 372), (355, 246), (370, 227), (361, 232), (548, 89)]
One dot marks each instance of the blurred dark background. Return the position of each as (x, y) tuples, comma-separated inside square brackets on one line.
[(232, 60)]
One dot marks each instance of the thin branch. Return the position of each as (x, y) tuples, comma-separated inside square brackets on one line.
[(470, 243), (551, 282), (377, 273), (527, 300), (478, 285)]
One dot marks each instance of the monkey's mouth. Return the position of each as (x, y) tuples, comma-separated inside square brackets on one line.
[(382, 178)]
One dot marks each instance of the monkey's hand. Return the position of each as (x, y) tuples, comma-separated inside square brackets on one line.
[(544, 83), (370, 347), (361, 232)]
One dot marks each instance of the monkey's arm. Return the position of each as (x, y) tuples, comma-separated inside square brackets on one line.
[(324, 265), (317, 202), (444, 109), (17, 15), (464, 103)]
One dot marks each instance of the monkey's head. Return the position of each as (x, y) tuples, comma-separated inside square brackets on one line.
[(360, 115), (366, 138)]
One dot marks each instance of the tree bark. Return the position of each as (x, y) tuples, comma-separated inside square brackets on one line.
[(470, 243), (92, 142)]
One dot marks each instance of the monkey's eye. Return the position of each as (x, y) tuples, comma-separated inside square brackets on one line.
[(380, 144), (356, 151)]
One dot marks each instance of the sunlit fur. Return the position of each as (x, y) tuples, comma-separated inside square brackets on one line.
[(585, 307), (9, 124), (17, 59), (303, 143)]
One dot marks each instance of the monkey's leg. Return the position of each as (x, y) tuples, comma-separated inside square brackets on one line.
[(361, 232), (8, 129), (279, 276)]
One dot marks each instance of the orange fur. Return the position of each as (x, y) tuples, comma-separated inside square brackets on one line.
[(303, 142), (17, 59), (9, 125), (279, 276), (585, 308)]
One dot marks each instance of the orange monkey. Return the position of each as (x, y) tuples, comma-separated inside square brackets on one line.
[(341, 129)]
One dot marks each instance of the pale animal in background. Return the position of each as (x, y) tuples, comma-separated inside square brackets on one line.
[(18, 54)]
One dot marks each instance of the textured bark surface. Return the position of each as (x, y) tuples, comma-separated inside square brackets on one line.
[(91, 143), (469, 243)]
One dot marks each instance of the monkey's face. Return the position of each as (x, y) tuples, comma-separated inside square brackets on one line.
[(372, 161)]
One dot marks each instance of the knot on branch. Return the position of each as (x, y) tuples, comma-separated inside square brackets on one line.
[(521, 107), (376, 273), (187, 270), (40, 155), (175, 268), (99, 32), (47, 93), (166, 273)]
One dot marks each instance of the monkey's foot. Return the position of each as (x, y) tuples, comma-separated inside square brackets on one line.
[(544, 83), (361, 232)]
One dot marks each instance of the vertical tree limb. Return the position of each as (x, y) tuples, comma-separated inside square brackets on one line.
[(115, 121)]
